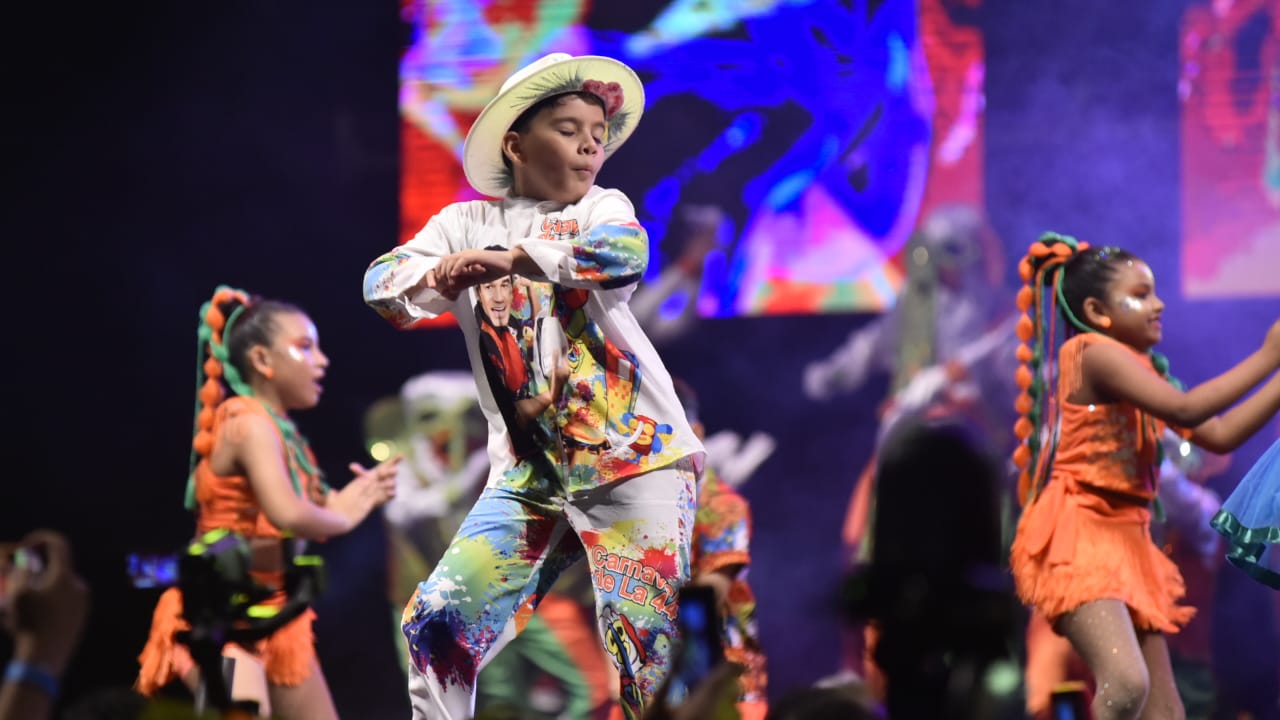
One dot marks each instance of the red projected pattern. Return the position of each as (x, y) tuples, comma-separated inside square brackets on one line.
[(1230, 93)]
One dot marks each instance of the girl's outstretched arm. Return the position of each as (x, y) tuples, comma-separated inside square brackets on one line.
[(1227, 432), (1113, 374)]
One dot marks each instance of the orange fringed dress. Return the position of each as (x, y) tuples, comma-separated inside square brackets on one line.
[(230, 503), (1086, 536)]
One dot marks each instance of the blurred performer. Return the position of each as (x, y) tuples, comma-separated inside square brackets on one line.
[(722, 553), (1189, 504), (555, 668), (667, 306), (947, 346), (1246, 627), (935, 586)]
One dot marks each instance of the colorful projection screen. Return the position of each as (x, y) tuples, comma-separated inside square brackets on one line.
[(788, 147), (1229, 88)]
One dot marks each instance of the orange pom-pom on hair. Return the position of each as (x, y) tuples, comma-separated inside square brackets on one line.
[(211, 393), (1025, 270), (1039, 249), (1082, 246), (1024, 354), (1023, 377), (214, 319), (204, 420), (1063, 250), (212, 367), (1022, 456), (1022, 428), (1025, 329), (203, 443), (1025, 297), (1023, 404)]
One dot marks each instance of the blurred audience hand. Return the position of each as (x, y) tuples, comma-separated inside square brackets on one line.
[(47, 603), (714, 699)]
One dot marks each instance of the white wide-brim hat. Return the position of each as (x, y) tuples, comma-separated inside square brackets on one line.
[(553, 74)]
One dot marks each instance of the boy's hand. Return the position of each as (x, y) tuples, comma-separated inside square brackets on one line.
[(440, 284), (458, 271)]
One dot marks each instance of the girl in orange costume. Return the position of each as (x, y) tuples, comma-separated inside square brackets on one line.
[(255, 475), (1083, 554)]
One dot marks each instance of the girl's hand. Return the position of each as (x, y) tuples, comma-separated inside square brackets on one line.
[(382, 476), (1271, 343), (368, 490)]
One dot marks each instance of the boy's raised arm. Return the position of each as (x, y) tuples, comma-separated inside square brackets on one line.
[(397, 285), (610, 251)]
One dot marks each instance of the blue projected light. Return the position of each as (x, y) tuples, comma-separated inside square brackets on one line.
[(151, 571), (822, 106)]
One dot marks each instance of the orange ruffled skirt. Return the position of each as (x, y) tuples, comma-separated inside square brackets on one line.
[(1075, 545), (287, 654)]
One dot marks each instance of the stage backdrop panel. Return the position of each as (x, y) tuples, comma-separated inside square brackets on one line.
[(815, 132), (1230, 92)]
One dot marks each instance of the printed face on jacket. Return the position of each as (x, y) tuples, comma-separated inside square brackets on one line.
[(495, 300)]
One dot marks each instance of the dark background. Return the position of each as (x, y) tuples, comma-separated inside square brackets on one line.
[(154, 151)]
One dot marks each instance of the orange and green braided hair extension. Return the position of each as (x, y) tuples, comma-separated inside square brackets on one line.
[(215, 373), (1038, 300)]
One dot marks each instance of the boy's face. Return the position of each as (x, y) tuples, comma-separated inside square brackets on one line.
[(559, 156)]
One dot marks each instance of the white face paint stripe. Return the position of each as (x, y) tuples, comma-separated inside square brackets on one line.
[(296, 352), (1131, 303)]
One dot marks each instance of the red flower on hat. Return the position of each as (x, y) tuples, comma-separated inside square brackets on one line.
[(610, 93)]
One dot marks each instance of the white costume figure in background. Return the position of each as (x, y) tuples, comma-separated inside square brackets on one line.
[(948, 339), (948, 347), (666, 306), (445, 459)]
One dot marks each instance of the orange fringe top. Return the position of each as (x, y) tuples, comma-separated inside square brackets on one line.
[(1110, 446), (229, 502)]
